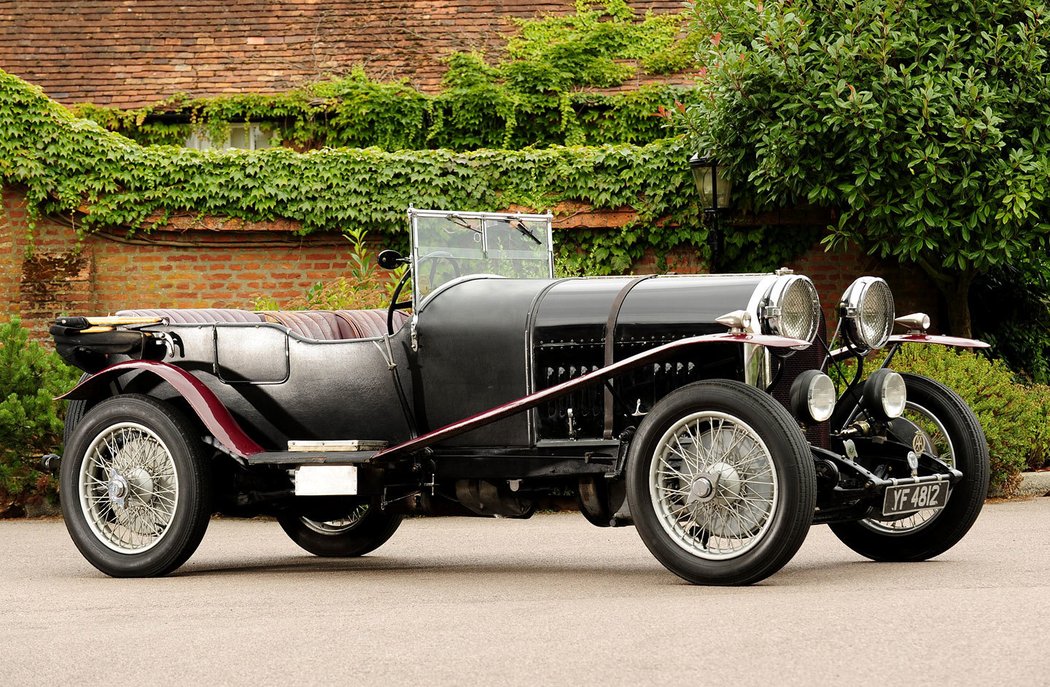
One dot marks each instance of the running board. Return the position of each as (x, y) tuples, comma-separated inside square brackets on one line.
[(310, 457), (341, 445)]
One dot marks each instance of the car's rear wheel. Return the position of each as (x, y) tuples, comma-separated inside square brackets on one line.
[(721, 483), (134, 487), (936, 418), (75, 411), (362, 530)]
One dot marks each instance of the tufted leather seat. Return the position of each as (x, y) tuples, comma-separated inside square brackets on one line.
[(312, 324), (195, 315), (329, 325), (372, 322), (323, 325)]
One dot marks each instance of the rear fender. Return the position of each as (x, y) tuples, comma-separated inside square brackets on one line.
[(202, 400)]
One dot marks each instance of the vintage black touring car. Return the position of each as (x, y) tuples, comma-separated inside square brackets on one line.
[(697, 408)]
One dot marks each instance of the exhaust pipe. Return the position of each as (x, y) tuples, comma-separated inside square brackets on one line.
[(50, 463)]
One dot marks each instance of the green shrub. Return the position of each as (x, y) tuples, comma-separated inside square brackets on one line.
[(1014, 416), (1039, 456), (30, 420)]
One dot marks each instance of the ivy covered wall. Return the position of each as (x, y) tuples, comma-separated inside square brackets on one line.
[(492, 139), (474, 111), (74, 167), (616, 206)]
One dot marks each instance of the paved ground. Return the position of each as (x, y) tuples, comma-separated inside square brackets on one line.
[(551, 600)]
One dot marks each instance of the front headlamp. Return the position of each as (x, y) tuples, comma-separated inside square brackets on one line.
[(867, 313), (792, 308)]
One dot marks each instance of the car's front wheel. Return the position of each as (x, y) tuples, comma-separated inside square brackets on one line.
[(362, 530), (941, 422), (134, 487), (721, 483)]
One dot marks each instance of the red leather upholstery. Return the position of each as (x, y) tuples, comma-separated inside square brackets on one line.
[(195, 315), (371, 323), (329, 325)]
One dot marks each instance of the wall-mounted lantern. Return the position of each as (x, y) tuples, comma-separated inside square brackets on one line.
[(714, 190)]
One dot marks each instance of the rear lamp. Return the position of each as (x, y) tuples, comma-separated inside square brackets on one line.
[(813, 396), (867, 313), (885, 394)]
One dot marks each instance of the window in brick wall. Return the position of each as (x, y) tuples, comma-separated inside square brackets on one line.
[(241, 136)]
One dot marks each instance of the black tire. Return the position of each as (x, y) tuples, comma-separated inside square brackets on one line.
[(876, 539), (148, 510), (75, 411), (364, 530), (771, 519)]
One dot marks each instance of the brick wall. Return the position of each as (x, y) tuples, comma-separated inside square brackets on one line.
[(105, 272), (227, 263), (831, 274)]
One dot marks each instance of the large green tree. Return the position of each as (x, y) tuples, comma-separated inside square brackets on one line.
[(922, 123)]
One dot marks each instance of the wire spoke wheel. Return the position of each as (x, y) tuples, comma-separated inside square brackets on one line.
[(951, 432), (135, 487), (714, 485), (128, 488), (937, 443), (721, 483), (364, 528)]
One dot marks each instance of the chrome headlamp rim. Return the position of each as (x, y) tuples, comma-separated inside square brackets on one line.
[(798, 294), (867, 312)]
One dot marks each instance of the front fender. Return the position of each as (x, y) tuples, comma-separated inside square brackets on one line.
[(202, 400), (954, 341), (847, 352)]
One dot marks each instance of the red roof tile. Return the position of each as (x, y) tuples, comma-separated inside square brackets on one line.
[(131, 53)]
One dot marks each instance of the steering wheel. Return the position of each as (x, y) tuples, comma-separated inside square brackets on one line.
[(394, 304), (435, 258), (391, 260)]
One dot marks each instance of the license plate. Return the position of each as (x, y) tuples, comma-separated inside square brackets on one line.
[(908, 498), (326, 480)]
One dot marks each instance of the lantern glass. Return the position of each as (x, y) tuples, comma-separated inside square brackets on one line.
[(708, 177)]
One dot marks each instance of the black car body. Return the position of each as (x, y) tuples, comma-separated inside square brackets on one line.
[(695, 407)]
